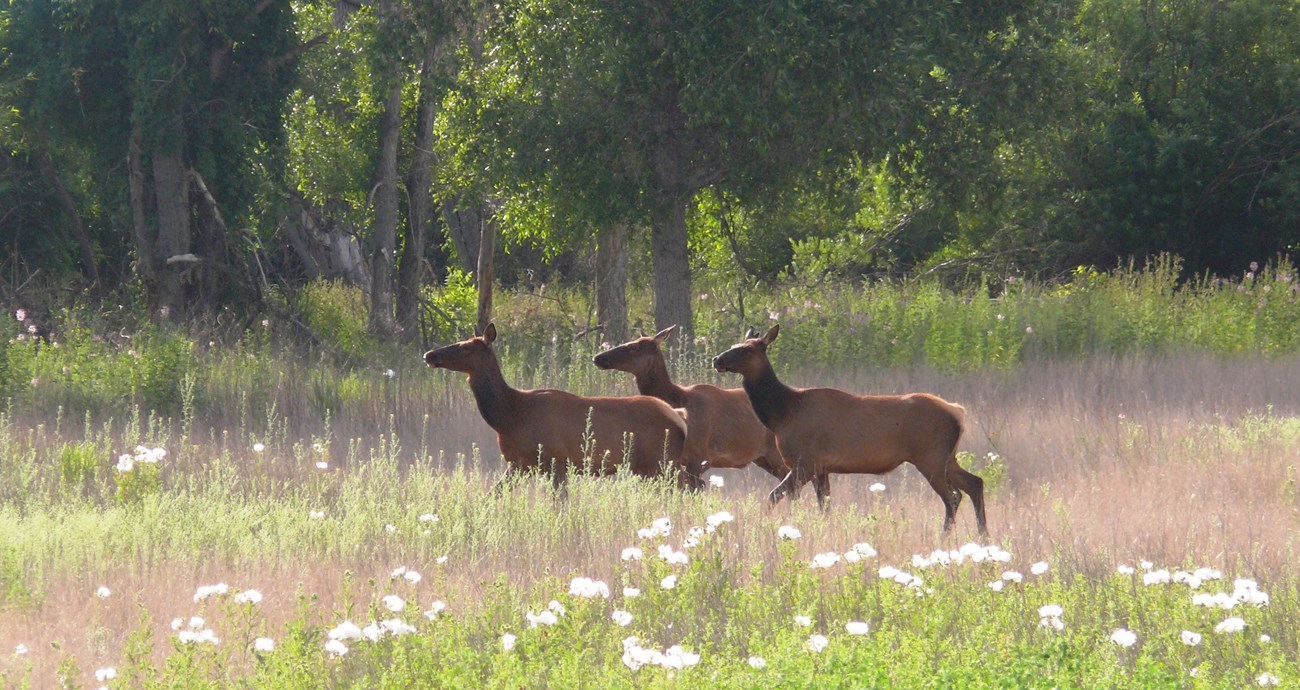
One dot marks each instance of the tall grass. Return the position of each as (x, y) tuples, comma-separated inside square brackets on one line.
[(1131, 424)]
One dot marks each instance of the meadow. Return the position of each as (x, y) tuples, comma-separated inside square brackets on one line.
[(176, 512)]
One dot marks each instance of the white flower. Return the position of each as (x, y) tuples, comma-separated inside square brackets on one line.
[(264, 644), (556, 607), (588, 588), (197, 622), (336, 648), (248, 596), (20, 650), (676, 658), (192, 637), (1145, 564), (258, 447), (544, 618), (1124, 569), (316, 515), (668, 582), (887, 572), (621, 617), (661, 527), (864, 549), (1012, 576), (1039, 568), (717, 481), (632, 553), (1124, 637), (508, 642), (442, 560), (673, 557), (103, 592), (104, 675), (397, 627), (1156, 577), (1265, 639), (717, 519), (322, 465), (347, 630), (1230, 625), (788, 532), (825, 560), (631, 592), (1050, 611), (394, 603), (390, 373), (857, 628), (437, 607), (1191, 639), (816, 643), (428, 517), (390, 528), (412, 577), (996, 585), (757, 662), (125, 463), (876, 488), (1053, 622), (1267, 678), (219, 589)]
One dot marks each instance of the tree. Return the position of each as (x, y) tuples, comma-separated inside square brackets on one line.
[(188, 94), (622, 112)]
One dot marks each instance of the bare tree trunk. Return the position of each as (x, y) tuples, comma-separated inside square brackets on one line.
[(410, 273), (672, 266), (384, 233), (172, 195), (46, 166), (483, 277), (139, 220), (465, 227), (611, 282)]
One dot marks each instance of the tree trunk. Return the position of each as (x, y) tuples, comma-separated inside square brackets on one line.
[(410, 273), (611, 282), (465, 227), (46, 166), (384, 234), (672, 267), (483, 276), (139, 220), (172, 196)]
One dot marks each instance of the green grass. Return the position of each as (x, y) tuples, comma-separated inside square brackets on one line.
[(1127, 415)]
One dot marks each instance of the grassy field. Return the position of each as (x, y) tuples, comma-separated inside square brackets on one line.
[(1163, 464)]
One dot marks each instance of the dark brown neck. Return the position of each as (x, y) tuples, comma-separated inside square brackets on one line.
[(656, 382), (772, 400), (494, 396)]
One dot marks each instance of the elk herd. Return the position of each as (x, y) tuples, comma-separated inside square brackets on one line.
[(795, 434)]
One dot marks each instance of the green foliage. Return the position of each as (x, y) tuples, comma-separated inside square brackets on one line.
[(336, 313)]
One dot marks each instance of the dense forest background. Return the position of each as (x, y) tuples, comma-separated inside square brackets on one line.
[(207, 160)]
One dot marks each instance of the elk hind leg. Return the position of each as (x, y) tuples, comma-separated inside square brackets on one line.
[(938, 479), (973, 486)]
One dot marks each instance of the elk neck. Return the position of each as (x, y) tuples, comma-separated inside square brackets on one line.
[(771, 399), (495, 397), (656, 382)]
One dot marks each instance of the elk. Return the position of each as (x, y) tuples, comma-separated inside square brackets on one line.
[(722, 429), (555, 430), (821, 430)]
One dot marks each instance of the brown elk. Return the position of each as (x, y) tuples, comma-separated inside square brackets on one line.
[(722, 430), (554, 430), (821, 430)]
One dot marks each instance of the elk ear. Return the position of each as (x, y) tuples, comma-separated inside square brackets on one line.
[(661, 336), (749, 334), (490, 333), (771, 334)]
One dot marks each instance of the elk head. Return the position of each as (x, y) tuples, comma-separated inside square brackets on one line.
[(467, 355), (749, 356), (636, 356)]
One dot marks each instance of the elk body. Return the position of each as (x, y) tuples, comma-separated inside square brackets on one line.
[(555, 431), (820, 430), (722, 430)]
